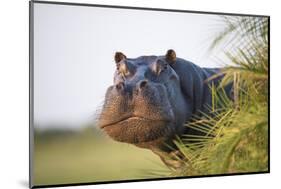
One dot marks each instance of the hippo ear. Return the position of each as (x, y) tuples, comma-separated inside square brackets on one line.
[(119, 56), (171, 56)]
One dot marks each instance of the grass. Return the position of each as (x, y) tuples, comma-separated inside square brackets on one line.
[(88, 156)]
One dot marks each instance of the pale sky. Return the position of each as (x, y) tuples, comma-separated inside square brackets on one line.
[(74, 48)]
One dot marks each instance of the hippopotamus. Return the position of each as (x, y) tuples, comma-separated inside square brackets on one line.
[(151, 99)]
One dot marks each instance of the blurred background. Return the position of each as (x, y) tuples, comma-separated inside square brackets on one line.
[(73, 66), (62, 156)]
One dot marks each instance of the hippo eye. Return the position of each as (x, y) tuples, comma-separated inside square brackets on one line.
[(125, 69), (159, 67), (163, 68)]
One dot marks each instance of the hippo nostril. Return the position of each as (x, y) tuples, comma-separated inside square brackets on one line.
[(120, 86), (142, 84)]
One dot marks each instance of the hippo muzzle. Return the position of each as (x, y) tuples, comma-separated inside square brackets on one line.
[(137, 111)]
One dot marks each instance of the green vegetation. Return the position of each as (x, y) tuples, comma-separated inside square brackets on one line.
[(88, 156), (235, 138)]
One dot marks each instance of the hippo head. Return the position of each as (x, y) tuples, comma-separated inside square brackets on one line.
[(145, 105)]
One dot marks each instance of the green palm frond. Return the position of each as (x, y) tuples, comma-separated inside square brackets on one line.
[(240, 31), (224, 132)]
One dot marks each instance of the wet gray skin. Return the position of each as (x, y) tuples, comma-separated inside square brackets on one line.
[(151, 99)]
